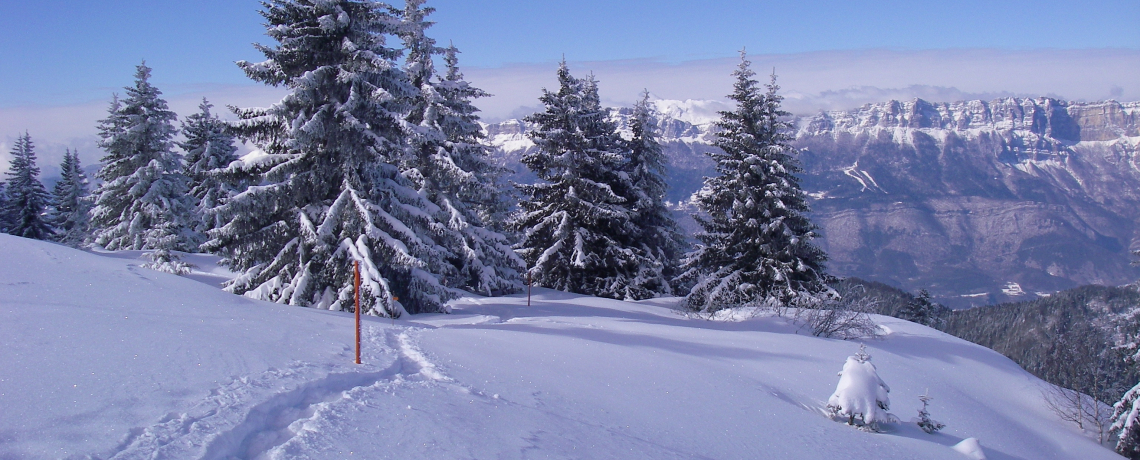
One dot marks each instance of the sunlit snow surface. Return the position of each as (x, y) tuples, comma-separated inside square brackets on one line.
[(104, 359)]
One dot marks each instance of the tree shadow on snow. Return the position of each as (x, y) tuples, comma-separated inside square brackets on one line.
[(911, 430), (947, 351), (548, 303), (627, 339)]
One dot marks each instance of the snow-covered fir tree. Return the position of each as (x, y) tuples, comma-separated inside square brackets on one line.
[(861, 397), (484, 189), (420, 50), (576, 223), (1126, 424), (927, 424), (70, 202), (330, 188), (920, 310), (756, 245), (25, 196), (209, 149), (448, 163), (660, 239), (143, 201)]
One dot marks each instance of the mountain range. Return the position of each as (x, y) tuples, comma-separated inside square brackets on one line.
[(978, 202)]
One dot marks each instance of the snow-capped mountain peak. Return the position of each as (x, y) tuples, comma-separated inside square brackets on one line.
[(695, 112)]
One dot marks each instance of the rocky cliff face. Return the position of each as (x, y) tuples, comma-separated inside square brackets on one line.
[(975, 201)]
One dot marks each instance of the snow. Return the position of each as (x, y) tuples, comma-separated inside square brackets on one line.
[(256, 158), (1012, 289), (512, 142), (971, 448), (861, 393), (695, 112), (104, 359), (854, 172)]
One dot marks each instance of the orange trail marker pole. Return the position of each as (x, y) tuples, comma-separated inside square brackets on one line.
[(356, 270)]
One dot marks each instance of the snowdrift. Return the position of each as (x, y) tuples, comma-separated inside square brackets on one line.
[(104, 359)]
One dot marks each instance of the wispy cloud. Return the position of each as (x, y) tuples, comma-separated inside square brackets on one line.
[(840, 79)]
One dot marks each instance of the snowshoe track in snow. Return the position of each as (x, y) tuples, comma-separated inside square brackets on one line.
[(231, 424), (268, 425)]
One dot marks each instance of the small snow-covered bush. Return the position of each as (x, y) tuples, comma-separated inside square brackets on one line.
[(166, 261), (861, 396), (971, 448), (924, 421)]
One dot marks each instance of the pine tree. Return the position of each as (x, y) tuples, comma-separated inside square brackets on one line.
[(484, 189), (861, 395), (209, 148), (576, 222), (928, 424), (756, 244), (658, 234), (920, 310), (418, 64), (142, 203), (70, 202), (1126, 423), (331, 190), (25, 196), (449, 165)]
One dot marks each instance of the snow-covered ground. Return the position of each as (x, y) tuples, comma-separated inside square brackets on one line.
[(104, 359)]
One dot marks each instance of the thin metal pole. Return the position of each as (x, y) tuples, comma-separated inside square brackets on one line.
[(528, 288), (356, 269)]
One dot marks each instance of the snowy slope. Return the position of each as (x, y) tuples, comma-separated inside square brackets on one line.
[(103, 359)]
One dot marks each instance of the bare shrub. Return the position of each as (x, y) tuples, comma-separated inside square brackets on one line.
[(844, 317), (1083, 410), (1083, 367)]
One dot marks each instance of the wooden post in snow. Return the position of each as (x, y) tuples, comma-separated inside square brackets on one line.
[(356, 270)]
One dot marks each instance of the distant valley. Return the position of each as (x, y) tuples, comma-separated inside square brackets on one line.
[(978, 202)]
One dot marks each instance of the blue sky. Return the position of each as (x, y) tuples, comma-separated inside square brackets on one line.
[(60, 60), (65, 51)]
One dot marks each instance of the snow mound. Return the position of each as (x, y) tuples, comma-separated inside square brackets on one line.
[(970, 447), (105, 359)]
